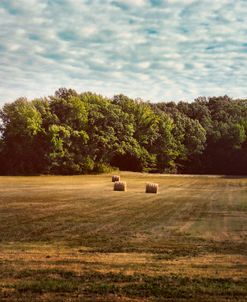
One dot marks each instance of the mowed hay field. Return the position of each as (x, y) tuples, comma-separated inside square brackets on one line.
[(72, 238)]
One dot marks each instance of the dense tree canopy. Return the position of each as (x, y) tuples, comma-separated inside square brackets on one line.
[(72, 133)]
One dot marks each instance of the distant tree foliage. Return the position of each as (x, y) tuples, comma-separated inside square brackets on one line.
[(78, 133)]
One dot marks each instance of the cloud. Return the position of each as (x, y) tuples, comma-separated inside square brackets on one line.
[(154, 49), (134, 2)]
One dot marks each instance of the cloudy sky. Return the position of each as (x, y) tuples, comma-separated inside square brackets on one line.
[(153, 49)]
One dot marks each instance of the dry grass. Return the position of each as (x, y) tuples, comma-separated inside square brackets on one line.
[(58, 242)]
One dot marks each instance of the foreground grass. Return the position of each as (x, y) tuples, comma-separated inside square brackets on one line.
[(74, 239)]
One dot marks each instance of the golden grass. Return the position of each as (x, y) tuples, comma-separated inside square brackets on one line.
[(81, 260), (74, 232)]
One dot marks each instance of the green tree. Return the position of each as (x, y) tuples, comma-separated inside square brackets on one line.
[(21, 126)]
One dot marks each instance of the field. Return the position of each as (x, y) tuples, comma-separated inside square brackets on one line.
[(72, 238)]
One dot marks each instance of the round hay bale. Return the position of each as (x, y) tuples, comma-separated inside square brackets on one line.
[(152, 188), (115, 178), (120, 186)]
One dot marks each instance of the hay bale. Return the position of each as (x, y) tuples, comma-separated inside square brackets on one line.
[(120, 186), (152, 188), (115, 178)]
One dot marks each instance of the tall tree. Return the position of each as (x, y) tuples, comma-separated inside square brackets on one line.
[(21, 126)]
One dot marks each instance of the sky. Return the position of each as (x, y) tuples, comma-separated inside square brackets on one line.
[(158, 50)]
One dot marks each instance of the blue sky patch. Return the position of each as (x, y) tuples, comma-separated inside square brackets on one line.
[(153, 49)]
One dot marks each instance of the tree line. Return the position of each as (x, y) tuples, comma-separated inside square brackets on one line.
[(78, 133)]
